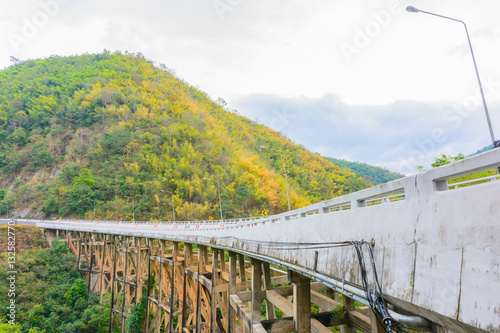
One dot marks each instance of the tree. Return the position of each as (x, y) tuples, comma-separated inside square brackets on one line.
[(76, 199), (439, 161), (84, 177), (19, 136)]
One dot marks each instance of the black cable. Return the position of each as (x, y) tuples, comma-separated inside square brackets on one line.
[(375, 297)]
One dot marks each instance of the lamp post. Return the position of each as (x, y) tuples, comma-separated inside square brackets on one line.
[(173, 207), (220, 202), (94, 206), (284, 167), (133, 207), (412, 9)]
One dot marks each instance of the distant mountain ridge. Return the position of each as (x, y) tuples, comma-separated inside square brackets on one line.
[(482, 150), (372, 174)]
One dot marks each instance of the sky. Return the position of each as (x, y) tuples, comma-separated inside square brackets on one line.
[(360, 80)]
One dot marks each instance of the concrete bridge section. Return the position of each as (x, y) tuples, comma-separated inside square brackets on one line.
[(435, 247)]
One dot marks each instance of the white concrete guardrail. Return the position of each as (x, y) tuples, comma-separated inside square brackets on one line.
[(436, 245)]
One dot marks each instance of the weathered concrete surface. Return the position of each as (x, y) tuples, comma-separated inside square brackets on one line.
[(437, 251)]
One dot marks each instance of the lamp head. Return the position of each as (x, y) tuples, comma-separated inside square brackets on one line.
[(411, 9)]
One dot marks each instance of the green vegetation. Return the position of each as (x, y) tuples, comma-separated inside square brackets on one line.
[(444, 159), (50, 294), (447, 159), (105, 126), (369, 173)]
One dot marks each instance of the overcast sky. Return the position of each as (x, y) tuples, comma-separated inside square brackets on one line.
[(361, 80)]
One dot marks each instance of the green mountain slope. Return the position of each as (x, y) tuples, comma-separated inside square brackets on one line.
[(109, 126), (482, 150), (369, 173)]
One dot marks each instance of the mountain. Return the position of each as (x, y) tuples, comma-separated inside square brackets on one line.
[(117, 131), (369, 173), (482, 150)]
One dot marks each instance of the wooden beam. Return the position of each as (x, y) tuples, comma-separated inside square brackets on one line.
[(358, 322), (242, 311), (319, 323), (324, 302), (248, 284)]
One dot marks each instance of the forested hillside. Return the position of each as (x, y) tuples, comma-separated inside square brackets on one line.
[(370, 173), (50, 297), (116, 130)]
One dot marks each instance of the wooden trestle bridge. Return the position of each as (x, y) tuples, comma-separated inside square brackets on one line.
[(435, 247), (202, 289)]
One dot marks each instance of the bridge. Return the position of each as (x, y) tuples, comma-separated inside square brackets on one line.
[(419, 253)]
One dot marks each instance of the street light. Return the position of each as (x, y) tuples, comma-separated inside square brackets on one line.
[(173, 207), (284, 167), (412, 9), (94, 206), (133, 207), (220, 202)]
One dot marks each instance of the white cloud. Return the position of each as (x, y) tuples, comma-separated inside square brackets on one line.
[(291, 49), (399, 136)]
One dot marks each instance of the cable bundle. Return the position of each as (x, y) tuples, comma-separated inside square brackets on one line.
[(375, 296)]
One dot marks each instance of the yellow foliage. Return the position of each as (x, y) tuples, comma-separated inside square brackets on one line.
[(142, 112), (62, 189), (132, 168), (125, 125)]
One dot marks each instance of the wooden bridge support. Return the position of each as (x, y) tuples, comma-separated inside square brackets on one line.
[(192, 288)]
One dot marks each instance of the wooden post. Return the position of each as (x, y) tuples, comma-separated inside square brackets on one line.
[(184, 293), (198, 286), (138, 270), (125, 274), (241, 264), (112, 287), (375, 323), (256, 290), (231, 290), (349, 306), (222, 260), (175, 253), (146, 324), (215, 271), (270, 310), (79, 249), (103, 264), (91, 240), (189, 254), (160, 288), (301, 303)]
